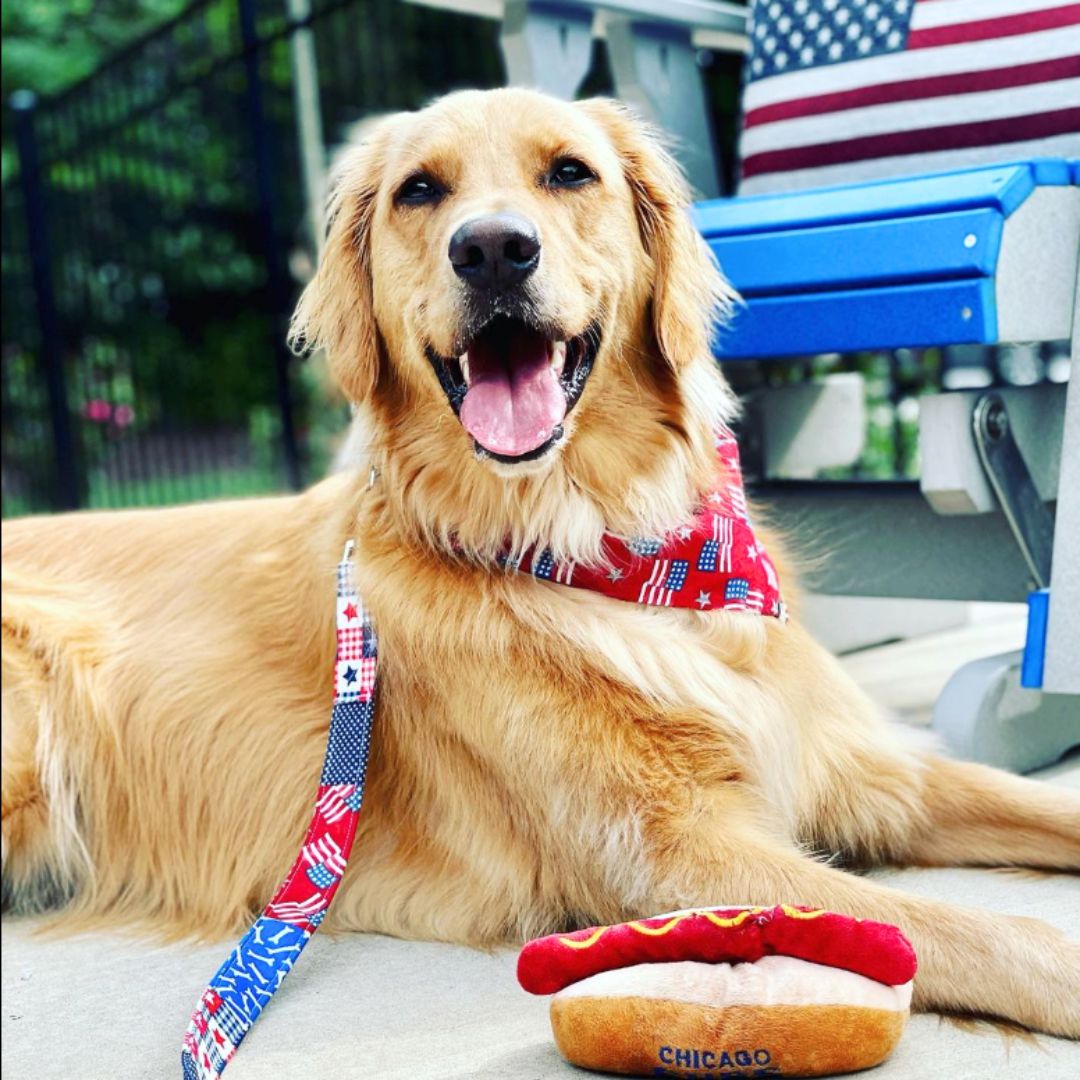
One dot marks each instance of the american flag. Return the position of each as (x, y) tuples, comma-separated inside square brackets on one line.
[(665, 579), (737, 498), (739, 595), (715, 552), (297, 911), (334, 802), (545, 566), (325, 851), (847, 90)]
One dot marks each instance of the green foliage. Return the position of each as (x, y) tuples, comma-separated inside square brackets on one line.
[(893, 384), (48, 45), (158, 264)]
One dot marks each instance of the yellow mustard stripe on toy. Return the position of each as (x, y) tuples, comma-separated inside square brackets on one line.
[(656, 931), (735, 920), (592, 939), (660, 931), (795, 913)]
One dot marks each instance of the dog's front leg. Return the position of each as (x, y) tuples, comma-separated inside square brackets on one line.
[(969, 960), (978, 816)]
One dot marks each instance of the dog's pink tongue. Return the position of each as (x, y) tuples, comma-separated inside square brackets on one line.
[(515, 400)]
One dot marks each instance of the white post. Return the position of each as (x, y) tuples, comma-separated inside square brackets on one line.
[(309, 131)]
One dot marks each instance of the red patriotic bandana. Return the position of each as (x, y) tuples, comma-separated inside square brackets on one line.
[(713, 563)]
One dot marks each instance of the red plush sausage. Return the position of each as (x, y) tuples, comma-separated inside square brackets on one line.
[(720, 935)]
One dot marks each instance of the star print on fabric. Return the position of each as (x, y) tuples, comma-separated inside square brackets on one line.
[(350, 675), (703, 600), (789, 35), (350, 612), (615, 574), (752, 552), (685, 532), (716, 497)]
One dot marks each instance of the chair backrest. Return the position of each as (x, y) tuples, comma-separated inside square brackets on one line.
[(839, 91), (980, 255)]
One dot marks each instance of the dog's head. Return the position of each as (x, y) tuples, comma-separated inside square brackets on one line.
[(513, 292)]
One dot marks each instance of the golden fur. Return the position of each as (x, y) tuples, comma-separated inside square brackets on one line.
[(543, 757)]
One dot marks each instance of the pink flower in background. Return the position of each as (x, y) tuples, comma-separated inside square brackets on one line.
[(103, 412)]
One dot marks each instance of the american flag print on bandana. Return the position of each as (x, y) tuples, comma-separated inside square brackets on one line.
[(714, 562), (243, 985), (840, 91)]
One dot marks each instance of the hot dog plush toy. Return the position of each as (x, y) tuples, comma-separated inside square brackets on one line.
[(725, 992)]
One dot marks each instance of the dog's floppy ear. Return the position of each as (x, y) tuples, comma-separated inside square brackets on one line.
[(689, 292), (336, 311)]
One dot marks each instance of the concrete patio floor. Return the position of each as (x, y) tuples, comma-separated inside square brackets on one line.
[(113, 1008)]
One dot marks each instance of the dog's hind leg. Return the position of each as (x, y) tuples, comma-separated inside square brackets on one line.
[(978, 816), (969, 960)]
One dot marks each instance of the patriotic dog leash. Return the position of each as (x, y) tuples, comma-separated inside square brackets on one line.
[(242, 986), (714, 562)]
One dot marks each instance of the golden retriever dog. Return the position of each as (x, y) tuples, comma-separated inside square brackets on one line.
[(544, 756)]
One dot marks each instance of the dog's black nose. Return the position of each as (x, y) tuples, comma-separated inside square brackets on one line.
[(495, 252)]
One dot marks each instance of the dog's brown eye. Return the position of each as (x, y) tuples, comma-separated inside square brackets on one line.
[(419, 188), (569, 172)]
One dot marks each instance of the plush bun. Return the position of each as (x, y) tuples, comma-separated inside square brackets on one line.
[(778, 1016), (725, 992)]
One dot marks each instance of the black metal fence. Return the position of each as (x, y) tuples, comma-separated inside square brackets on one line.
[(154, 240)]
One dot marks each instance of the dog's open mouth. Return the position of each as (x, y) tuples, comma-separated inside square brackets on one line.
[(513, 385)]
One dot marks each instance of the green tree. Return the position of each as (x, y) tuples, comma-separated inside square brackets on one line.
[(48, 45)]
